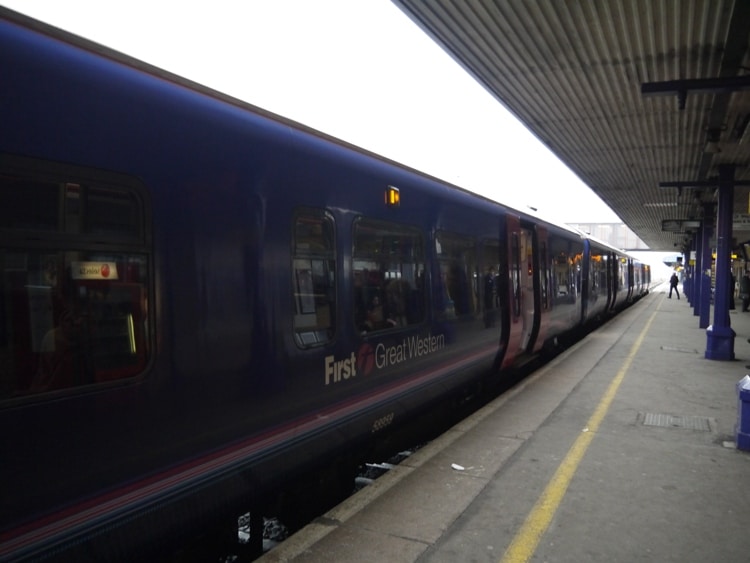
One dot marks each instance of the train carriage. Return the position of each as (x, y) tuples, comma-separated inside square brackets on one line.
[(200, 300)]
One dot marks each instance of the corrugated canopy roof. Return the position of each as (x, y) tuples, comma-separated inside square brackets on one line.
[(578, 72)]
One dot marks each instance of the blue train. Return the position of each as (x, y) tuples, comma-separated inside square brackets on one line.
[(200, 300)]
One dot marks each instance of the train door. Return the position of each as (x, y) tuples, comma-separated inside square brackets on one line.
[(631, 280), (596, 279), (497, 310), (615, 282), (521, 288), (526, 271), (541, 280), (611, 269)]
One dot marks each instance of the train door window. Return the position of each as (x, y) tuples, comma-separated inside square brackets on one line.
[(598, 273), (515, 272), (544, 275), (388, 267), (314, 278), (459, 274), (561, 273), (74, 287), (604, 273)]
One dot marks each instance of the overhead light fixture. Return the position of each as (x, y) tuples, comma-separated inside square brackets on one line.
[(661, 204), (679, 225)]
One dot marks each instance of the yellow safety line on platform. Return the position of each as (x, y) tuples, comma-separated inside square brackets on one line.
[(527, 539)]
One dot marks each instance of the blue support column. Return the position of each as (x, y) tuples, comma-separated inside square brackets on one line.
[(697, 269), (703, 276), (720, 336), (689, 274)]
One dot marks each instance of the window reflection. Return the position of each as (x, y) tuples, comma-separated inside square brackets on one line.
[(73, 302), (388, 268), (314, 271), (72, 318)]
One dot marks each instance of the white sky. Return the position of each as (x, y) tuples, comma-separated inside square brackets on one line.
[(359, 70)]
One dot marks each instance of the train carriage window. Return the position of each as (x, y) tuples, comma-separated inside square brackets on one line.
[(564, 258), (314, 278), (73, 299), (112, 212), (388, 268), (459, 275), (49, 205)]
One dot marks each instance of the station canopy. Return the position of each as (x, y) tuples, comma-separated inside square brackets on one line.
[(646, 101)]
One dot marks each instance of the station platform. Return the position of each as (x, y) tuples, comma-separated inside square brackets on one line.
[(620, 449)]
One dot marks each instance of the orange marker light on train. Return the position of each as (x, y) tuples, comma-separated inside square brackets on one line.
[(392, 197)]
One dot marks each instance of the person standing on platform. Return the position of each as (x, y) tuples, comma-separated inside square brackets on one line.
[(673, 281)]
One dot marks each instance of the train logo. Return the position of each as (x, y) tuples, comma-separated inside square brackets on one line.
[(340, 370), (365, 359), (381, 356)]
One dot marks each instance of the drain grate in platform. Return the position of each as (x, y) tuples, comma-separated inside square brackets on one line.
[(699, 423)]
